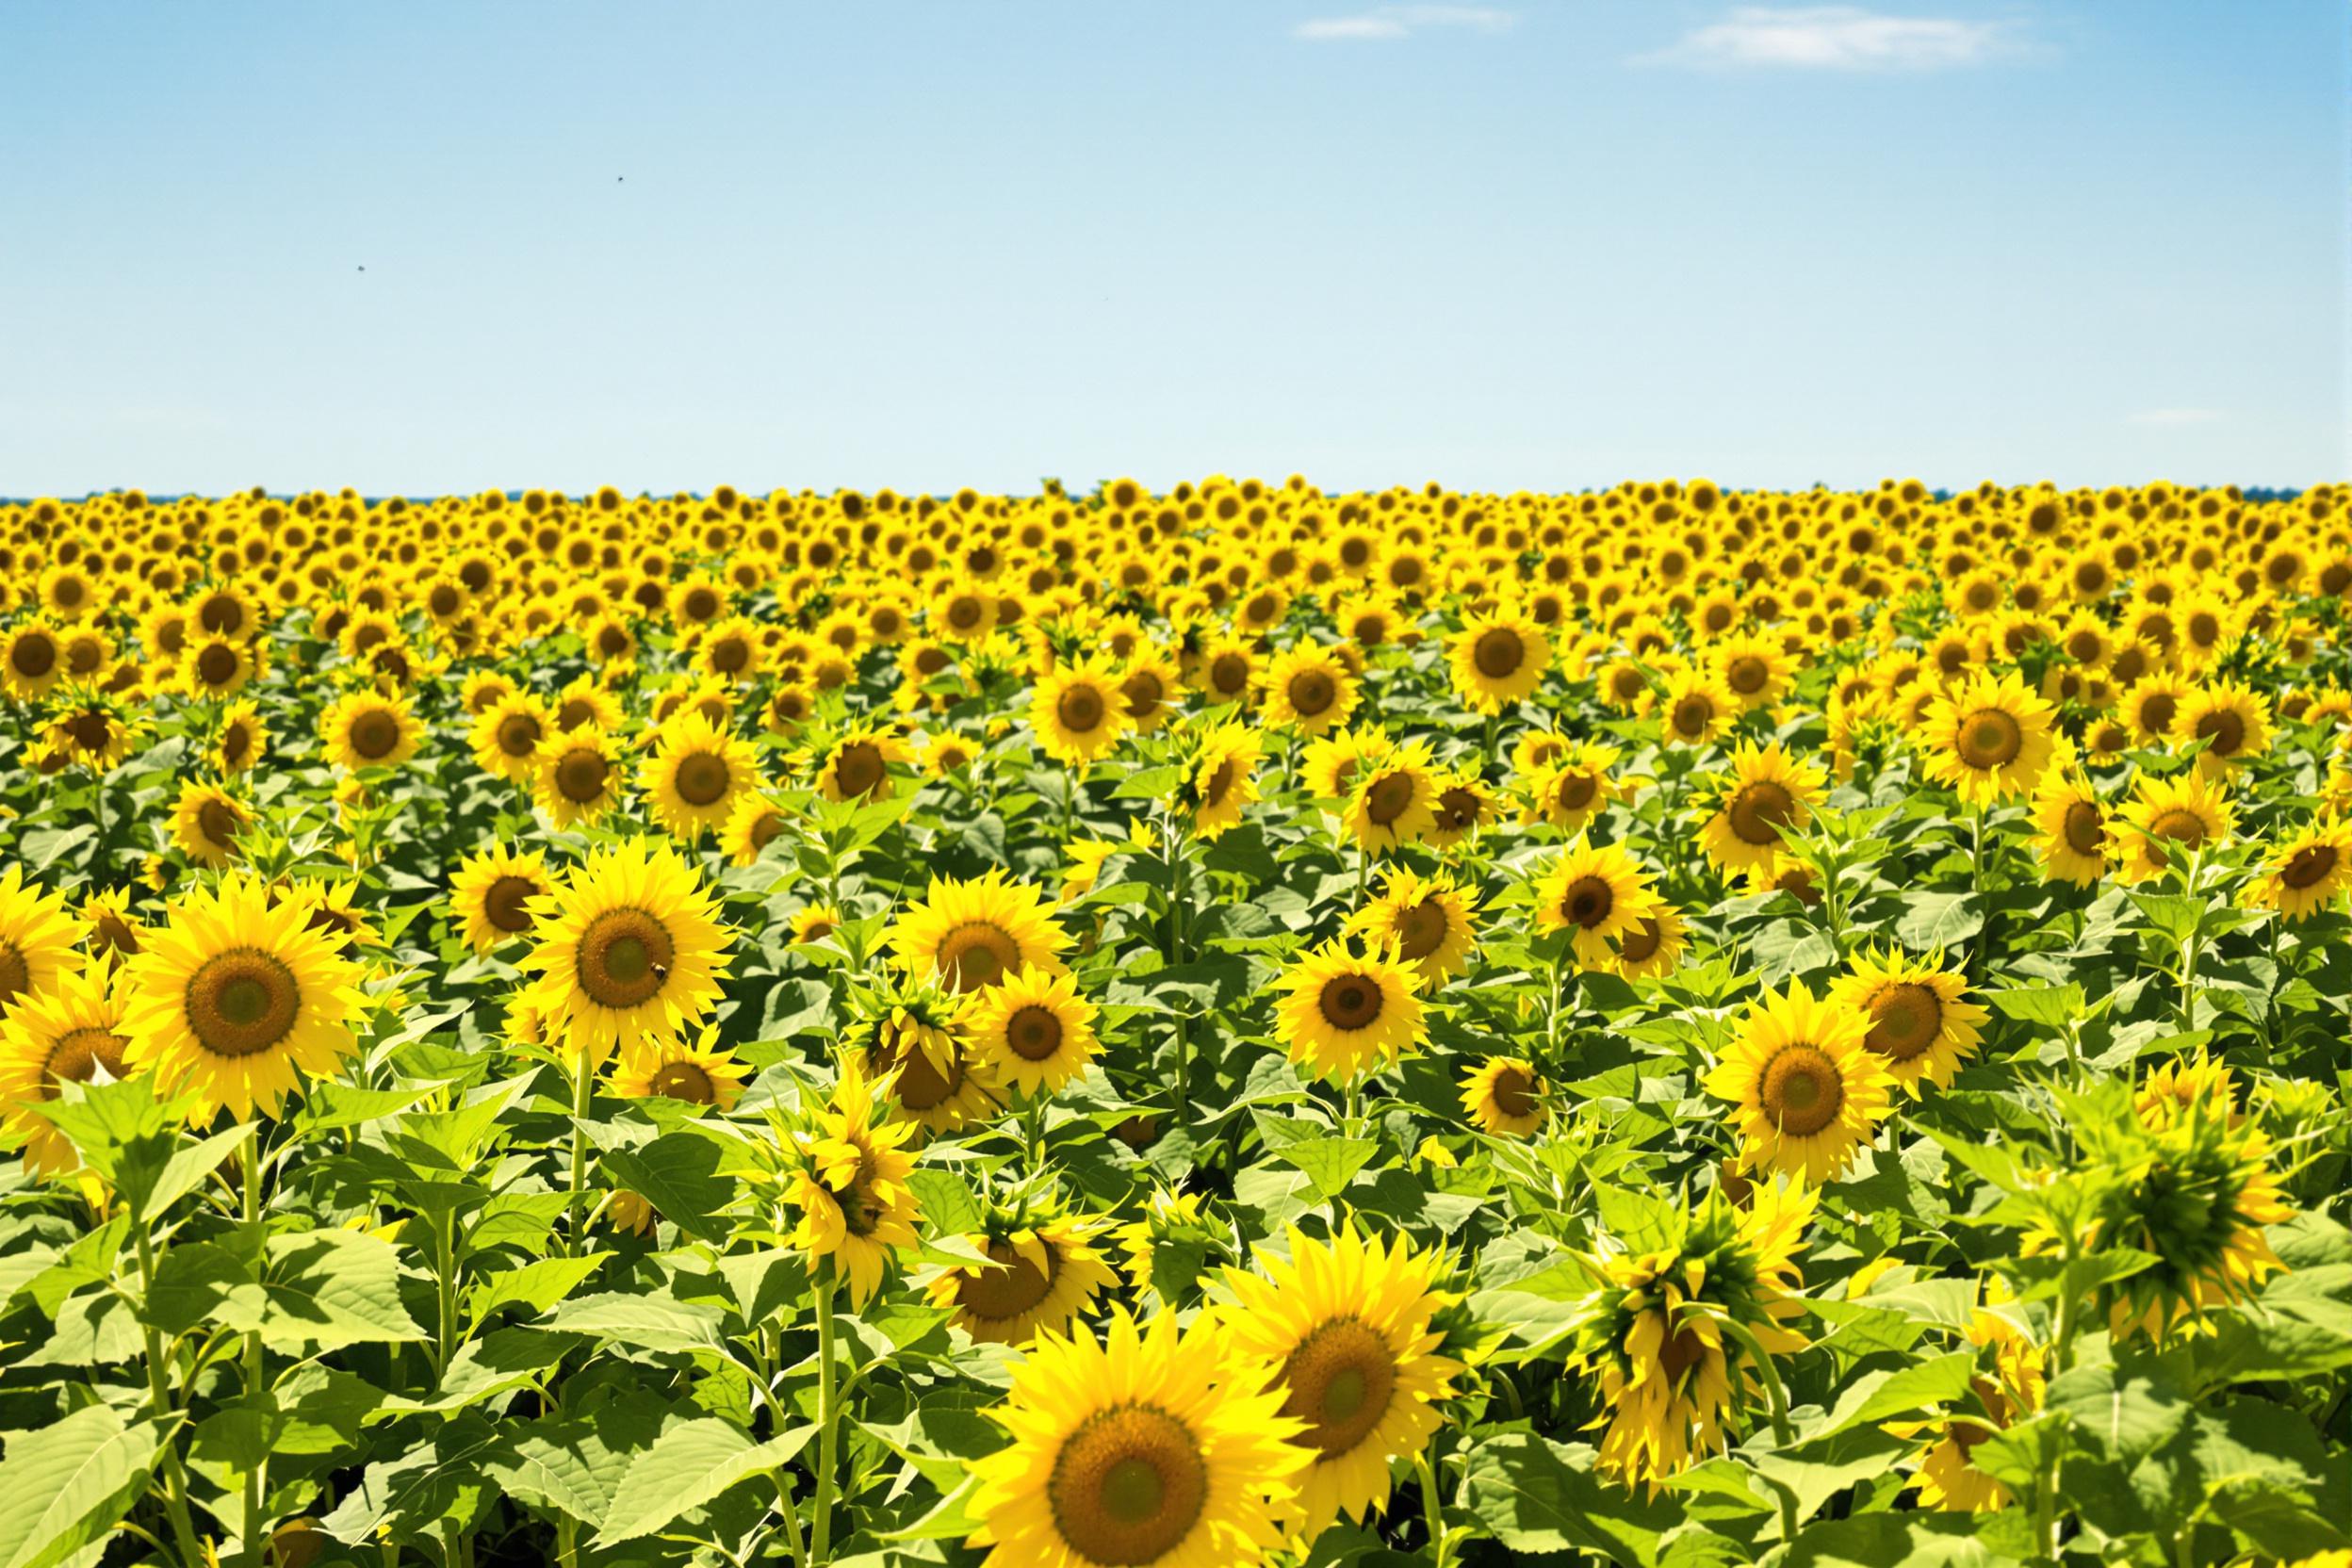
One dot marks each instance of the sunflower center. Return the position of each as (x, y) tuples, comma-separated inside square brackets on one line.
[(1636, 945), (2225, 729), (1588, 901), (624, 958), (518, 734), (1142, 691), (2086, 828), (219, 821), (1080, 709), (2203, 629), (77, 1055), (1309, 693), (1350, 1001), (1498, 653), (1747, 674), (1386, 798), (1419, 928), (503, 905), (1759, 809), (1458, 810), (241, 1002), (1906, 1018), (703, 778), (235, 742), (685, 1081), (1514, 1093), (1990, 739), (1229, 673), (1034, 1034), (2180, 823), (1341, 1377), (578, 712), (2310, 866), (2156, 713), (16, 975), (1692, 716), (580, 777), (1684, 1350), (1802, 1091), (1016, 1287), (374, 734), (858, 769), (1128, 1486), (765, 828), (90, 731), (977, 955), (34, 656), (1576, 790), (1219, 783)]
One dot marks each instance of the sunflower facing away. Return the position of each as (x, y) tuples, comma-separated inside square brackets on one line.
[(971, 935), (851, 1185), (1141, 1447), (68, 1033), (1920, 1023), (1807, 1090), (1046, 1275), (1343, 1016), (629, 946), (234, 994), (1598, 894)]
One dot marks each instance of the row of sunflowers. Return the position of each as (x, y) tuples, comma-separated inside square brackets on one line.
[(1666, 1026)]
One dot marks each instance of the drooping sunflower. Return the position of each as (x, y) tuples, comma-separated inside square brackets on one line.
[(493, 891), (1035, 1030), (1344, 1332), (1768, 789), (1990, 738), (2230, 718), (1597, 893), (1342, 1015), (912, 1041), (972, 934), (506, 737), (695, 774), (1997, 1399), (1920, 1022), (2075, 843), (1392, 800), (2307, 872), (206, 821), (368, 729), (1499, 659), (2190, 810), (1505, 1096), (1047, 1274), (1310, 689), (1139, 1447), (628, 946), (1429, 921), (857, 765), (1807, 1093), (579, 776), (1078, 713), (68, 1034), (233, 994), (1222, 779), (850, 1185), (703, 1073)]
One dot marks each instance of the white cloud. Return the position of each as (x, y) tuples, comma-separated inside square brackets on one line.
[(1835, 37), (1393, 21), (2178, 417)]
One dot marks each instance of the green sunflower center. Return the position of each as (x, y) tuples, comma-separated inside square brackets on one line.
[(1128, 1486), (241, 1002), (1341, 1378)]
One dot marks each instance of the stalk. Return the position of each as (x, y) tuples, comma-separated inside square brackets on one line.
[(255, 1549), (160, 1407), (828, 1423)]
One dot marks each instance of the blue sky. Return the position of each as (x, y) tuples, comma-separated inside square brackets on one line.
[(1537, 244)]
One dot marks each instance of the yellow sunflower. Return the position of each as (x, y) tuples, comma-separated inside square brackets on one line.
[(232, 994), (579, 776), (37, 937), (1573, 788), (32, 660), (2307, 872), (1393, 799), (368, 729), (1653, 946), (629, 946), (1768, 789), (493, 891), (974, 934), (1142, 1446), (1222, 779), (1045, 1276), (857, 767), (1808, 1091), (1150, 684), (2075, 841), (913, 1044), (1696, 707), (68, 1034), (695, 774), (2232, 719), (1310, 689), (1343, 1014), (241, 741), (753, 825), (506, 737), (206, 821), (703, 1073), (1499, 659), (587, 704), (1035, 1030), (1464, 804), (812, 923), (2152, 705), (2190, 810), (1600, 894), (1432, 923), (850, 1185), (1344, 1332), (1920, 1020), (1988, 740), (1754, 670), (1078, 713), (1505, 1096)]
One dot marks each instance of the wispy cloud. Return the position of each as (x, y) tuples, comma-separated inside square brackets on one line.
[(1837, 38), (1395, 22), (2176, 417)]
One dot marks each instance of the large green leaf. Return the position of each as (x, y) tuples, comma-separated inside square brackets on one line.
[(69, 1483)]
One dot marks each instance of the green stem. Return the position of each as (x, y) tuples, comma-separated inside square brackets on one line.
[(1432, 1508), (583, 1087), (159, 1408), (445, 1248), (256, 1547), (1977, 954), (791, 1520), (828, 1422)]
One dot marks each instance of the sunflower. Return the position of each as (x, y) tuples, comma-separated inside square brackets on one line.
[(703, 1073), (1222, 777), (1343, 1014), (2152, 705), (813, 922), (1138, 1447), (1148, 685), (1943, 1468), (32, 660), (754, 823), (366, 730), (241, 741), (2306, 872), (1653, 946), (1919, 1021), (1078, 713), (1168, 1220), (850, 1185), (1392, 800), (1989, 740), (1807, 1089), (912, 1042), (974, 934), (695, 774), (1344, 1332), (1768, 789), (857, 765), (1228, 670), (1045, 1276), (579, 776), (506, 737), (1035, 1031), (629, 946), (1598, 893), (1505, 1096), (1463, 802), (1310, 689), (493, 894), (1499, 659), (586, 704), (1695, 706), (233, 993), (2231, 719), (206, 821), (111, 931), (65, 1035), (1756, 670), (1432, 923), (2190, 810), (2076, 842), (1572, 788), (333, 908)]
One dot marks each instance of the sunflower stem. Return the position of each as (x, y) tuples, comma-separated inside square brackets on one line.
[(255, 1550), (1432, 1508), (445, 1271), (583, 1084), (828, 1421), (1983, 902), (160, 1407)]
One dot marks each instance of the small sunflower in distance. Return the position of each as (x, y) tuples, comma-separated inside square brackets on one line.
[(703, 1073), (1137, 1447), (366, 730), (492, 894), (1989, 740), (1806, 1091), (1345, 1333), (1432, 923), (1342, 1015), (2307, 873), (2188, 812), (695, 774), (1573, 788), (37, 937), (1047, 1274), (233, 994), (1078, 713), (629, 946), (1035, 1030), (851, 1186), (1499, 659), (1695, 708), (1768, 789), (1598, 894), (1310, 689), (1504, 1096), (1920, 1022), (971, 935), (67, 1035), (578, 777)]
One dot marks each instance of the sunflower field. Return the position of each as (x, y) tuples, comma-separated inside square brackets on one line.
[(1668, 1026)]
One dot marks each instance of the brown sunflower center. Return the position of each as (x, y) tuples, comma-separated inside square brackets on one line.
[(574, 712), (2085, 827), (1636, 945), (76, 1057), (2179, 824), (579, 776), (1080, 709), (1498, 653), (89, 729), (2310, 867), (765, 828), (1905, 1018), (685, 1081), (375, 733), (1388, 797), (1458, 810), (624, 958), (1759, 809), (1034, 1034), (977, 955), (1341, 1378), (1143, 692), (2225, 729), (703, 778), (34, 656), (1127, 1487), (1221, 783), (1419, 928), (216, 665), (1989, 740), (2157, 710), (1311, 692), (1514, 1093), (1747, 674), (1575, 791), (505, 905), (1692, 714), (1014, 1286), (1350, 1001), (1588, 901), (219, 821), (1802, 1091), (518, 734), (236, 744), (1229, 673), (241, 1002), (857, 768)]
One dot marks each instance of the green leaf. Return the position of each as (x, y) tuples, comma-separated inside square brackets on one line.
[(499, 1361), (1881, 1394), (1330, 1163), (1896, 1540), (1537, 1496), (657, 1323), (538, 1285), (945, 1201), (692, 1462), (678, 1174), (2055, 1007), (332, 1288), (69, 1483)]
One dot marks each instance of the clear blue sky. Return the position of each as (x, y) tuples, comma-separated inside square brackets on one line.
[(1532, 244)]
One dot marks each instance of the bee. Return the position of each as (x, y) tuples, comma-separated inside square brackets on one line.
[(661, 973)]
